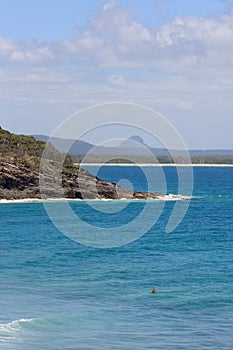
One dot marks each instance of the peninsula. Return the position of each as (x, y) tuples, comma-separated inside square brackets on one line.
[(20, 158)]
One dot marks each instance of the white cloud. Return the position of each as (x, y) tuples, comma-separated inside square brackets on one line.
[(115, 39), (7, 46), (39, 54), (20, 52), (198, 42), (109, 5), (34, 56), (132, 37), (208, 31), (83, 45), (18, 56)]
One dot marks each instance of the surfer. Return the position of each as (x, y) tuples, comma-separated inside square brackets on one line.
[(154, 290)]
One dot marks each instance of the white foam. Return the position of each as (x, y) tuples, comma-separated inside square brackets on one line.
[(26, 200), (15, 324), (36, 200), (167, 197), (8, 331)]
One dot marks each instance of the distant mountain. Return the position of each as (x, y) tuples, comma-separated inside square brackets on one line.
[(81, 148), (130, 147), (138, 139)]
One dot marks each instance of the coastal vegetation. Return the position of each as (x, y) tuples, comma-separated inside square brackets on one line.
[(20, 158), (22, 150), (152, 160)]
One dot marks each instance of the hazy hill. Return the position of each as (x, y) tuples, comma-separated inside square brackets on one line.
[(133, 148), (78, 147)]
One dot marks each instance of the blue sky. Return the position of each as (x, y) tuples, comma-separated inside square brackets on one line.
[(175, 56), (56, 20)]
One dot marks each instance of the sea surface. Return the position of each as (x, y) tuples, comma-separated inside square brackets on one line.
[(57, 294)]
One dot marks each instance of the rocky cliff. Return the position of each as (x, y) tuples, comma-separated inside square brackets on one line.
[(20, 158)]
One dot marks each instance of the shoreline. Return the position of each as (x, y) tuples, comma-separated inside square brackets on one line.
[(156, 165), (166, 197)]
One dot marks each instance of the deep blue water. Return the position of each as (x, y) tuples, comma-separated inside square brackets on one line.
[(58, 294)]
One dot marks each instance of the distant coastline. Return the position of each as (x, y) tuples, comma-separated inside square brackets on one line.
[(157, 165)]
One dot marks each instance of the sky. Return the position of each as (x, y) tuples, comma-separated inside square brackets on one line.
[(175, 56)]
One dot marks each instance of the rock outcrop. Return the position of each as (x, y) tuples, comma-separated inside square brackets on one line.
[(20, 182)]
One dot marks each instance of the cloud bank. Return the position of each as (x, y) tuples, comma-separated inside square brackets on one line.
[(114, 39)]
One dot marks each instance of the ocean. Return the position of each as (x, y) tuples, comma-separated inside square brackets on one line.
[(58, 294)]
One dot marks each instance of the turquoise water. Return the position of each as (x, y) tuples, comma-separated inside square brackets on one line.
[(58, 294)]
